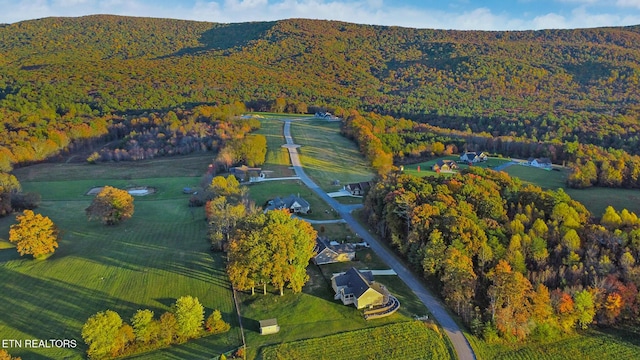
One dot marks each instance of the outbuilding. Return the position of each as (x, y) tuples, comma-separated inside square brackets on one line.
[(269, 326)]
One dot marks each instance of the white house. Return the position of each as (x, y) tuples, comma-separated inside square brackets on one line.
[(473, 157), (542, 163)]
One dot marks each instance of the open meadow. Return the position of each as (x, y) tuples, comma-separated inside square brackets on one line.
[(593, 344), (327, 155), (160, 254), (596, 199)]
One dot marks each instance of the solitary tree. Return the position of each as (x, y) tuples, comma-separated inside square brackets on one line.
[(189, 316), (102, 332), (34, 234), (111, 206)]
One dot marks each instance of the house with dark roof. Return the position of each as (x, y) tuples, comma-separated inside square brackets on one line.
[(359, 188), (328, 252), (445, 166), (358, 288), (295, 204), (473, 157)]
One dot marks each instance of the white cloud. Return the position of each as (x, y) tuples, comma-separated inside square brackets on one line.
[(629, 3)]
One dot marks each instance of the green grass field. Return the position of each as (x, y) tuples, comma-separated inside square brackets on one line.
[(277, 160), (313, 313), (425, 167), (147, 262), (261, 192), (411, 340), (327, 156), (596, 199), (591, 345)]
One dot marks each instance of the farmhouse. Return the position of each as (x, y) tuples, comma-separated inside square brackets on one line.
[(329, 252), (293, 203), (269, 326), (358, 288), (243, 173), (445, 166), (473, 157), (359, 188), (542, 163)]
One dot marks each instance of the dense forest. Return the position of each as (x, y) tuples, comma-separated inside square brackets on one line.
[(512, 260), (67, 79)]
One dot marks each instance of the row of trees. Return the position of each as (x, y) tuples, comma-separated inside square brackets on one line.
[(511, 259), (108, 336)]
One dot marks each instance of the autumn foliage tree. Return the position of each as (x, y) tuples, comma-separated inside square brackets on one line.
[(101, 332), (34, 234), (272, 248), (111, 206)]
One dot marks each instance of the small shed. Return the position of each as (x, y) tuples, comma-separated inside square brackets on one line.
[(269, 326)]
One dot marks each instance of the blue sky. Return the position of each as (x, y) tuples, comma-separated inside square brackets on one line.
[(456, 14)]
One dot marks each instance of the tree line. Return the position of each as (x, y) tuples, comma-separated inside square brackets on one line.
[(387, 141), (108, 336), (512, 260)]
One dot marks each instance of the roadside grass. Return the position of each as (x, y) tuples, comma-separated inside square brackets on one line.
[(160, 254), (261, 192), (596, 344), (338, 232), (328, 156), (349, 200), (277, 159)]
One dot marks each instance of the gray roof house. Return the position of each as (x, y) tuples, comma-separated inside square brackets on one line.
[(293, 203), (359, 188), (473, 157), (328, 252), (358, 288)]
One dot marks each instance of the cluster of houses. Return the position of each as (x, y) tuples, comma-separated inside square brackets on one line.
[(469, 157)]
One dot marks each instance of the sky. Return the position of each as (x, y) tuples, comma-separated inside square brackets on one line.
[(429, 14)]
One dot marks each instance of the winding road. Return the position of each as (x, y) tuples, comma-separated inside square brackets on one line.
[(438, 311)]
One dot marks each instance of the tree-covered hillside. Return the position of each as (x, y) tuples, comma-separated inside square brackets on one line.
[(553, 85)]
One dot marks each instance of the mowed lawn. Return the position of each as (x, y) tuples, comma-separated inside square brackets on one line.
[(313, 314), (596, 199), (593, 344), (328, 156), (147, 262), (424, 168), (277, 160)]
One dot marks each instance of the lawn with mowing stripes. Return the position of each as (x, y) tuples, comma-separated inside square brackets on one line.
[(406, 340), (277, 160), (327, 155), (593, 344), (160, 254)]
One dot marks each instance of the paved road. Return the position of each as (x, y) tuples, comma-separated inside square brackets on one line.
[(437, 309)]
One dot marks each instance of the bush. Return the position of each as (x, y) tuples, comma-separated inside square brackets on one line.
[(25, 201)]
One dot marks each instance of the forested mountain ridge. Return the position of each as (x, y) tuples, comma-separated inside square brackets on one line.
[(551, 85)]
